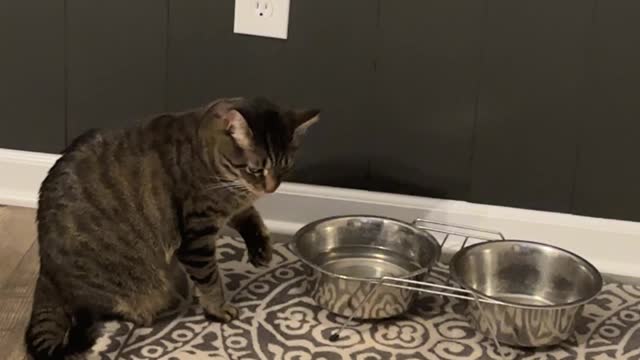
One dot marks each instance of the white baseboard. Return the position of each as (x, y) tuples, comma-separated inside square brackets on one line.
[(21, 173), (611, 245)]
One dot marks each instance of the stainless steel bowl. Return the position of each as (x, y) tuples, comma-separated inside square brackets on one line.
[(345, 255), (541, 290)]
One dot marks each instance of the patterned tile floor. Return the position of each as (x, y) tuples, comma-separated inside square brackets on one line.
[(279, 321)]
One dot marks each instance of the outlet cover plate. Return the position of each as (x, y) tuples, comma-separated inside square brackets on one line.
[(268, 18)]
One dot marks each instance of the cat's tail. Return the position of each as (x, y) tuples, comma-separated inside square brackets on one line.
[(53, 332)]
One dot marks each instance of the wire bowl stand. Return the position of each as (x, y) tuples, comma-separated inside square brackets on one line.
[(447, 233)]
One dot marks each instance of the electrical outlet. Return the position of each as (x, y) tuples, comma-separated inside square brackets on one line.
[(269, 18)]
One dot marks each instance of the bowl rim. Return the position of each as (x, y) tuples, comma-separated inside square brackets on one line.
[(458, 279), (424, 234)]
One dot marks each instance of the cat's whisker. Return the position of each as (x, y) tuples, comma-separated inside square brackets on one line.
[(230, 185), (226, 182), (215, 187), (207, 189), (242, 187), (239, 187), (218, 178)]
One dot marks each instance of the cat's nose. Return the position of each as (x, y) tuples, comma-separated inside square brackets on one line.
[(271, 183)]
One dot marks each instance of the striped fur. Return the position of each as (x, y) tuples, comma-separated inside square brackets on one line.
[(119, 205)]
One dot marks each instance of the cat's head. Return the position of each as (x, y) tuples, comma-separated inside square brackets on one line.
[(257, 141)]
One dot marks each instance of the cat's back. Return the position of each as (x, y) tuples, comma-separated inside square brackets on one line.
[(107, 182), (80, 164), (72, 168)]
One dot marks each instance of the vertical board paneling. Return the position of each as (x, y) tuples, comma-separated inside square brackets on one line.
[(206, 60), (326, 63), (116, 62), (527, 104), (32, 75), (608, 172), (426, 90), (532, 96)]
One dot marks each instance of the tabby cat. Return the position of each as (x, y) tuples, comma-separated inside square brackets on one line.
[(119, 205)]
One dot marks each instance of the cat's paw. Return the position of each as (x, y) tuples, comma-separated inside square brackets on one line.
[(261, 256), (222, 314)]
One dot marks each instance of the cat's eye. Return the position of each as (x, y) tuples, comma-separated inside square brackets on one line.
[(254, 171)]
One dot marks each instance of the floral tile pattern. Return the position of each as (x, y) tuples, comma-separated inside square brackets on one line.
[(279, 321)]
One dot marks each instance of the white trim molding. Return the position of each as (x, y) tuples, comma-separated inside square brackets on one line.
[(611, 245), (21, 173)]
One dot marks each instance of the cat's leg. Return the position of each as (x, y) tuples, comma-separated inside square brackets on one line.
[(197, 255), (255, 234)]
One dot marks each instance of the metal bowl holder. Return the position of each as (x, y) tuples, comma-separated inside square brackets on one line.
[(461, 231)]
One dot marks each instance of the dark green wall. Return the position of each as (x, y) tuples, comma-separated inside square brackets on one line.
[(526, 104)]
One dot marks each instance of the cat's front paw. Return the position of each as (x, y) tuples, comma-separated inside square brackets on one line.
[(261, 256), (221, 314)]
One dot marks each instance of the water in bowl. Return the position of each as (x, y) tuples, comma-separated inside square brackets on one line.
[(365, 262)]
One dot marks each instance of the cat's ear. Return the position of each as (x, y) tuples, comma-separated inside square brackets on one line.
[(302, 121), (238, 128)]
